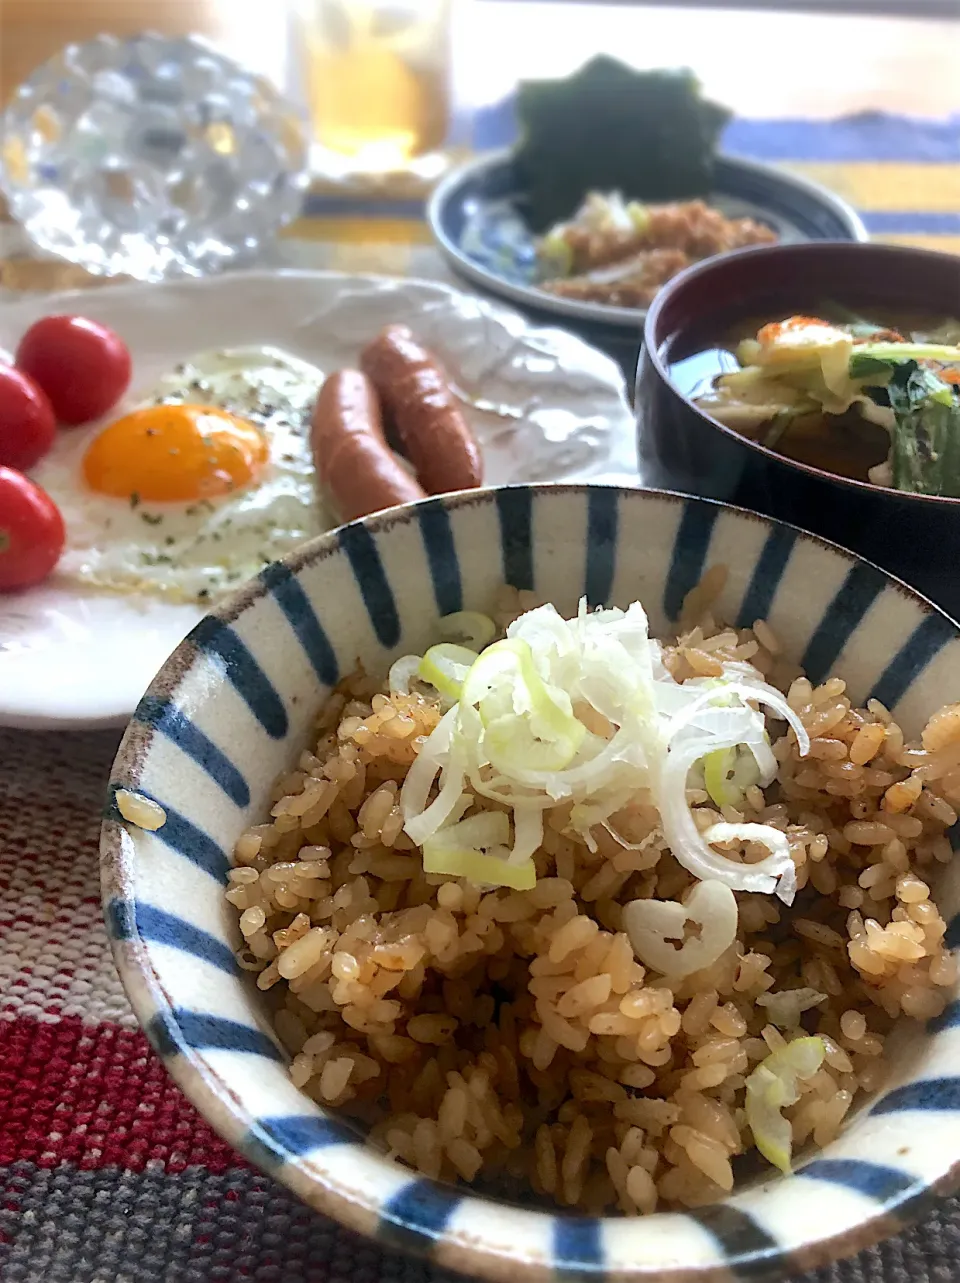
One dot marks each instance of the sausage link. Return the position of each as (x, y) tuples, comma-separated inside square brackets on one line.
[(417, 398), (353, 460)]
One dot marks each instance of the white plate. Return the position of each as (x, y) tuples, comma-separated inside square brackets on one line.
[(545, 407)]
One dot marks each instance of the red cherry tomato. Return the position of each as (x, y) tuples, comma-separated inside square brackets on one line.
[(83, 367), (27, 424), (31, 532)]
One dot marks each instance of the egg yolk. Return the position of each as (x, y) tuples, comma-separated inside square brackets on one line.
[(171, 453)]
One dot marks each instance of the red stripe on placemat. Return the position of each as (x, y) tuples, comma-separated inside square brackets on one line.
[(97, 1096)]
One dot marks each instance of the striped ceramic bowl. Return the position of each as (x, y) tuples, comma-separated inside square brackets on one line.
[(231, 710)]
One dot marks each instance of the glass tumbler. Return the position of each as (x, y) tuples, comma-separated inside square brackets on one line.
[(376, 75)]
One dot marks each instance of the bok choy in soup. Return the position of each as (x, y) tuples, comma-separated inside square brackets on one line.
[(856, 398)]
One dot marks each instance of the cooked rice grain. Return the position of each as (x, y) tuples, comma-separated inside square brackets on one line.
[(512, 1038)]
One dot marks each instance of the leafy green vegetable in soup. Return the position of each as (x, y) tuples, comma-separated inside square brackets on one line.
[(925, 443), (805, 371)]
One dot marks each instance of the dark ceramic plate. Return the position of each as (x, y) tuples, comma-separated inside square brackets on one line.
[(477, 217), (681, 447)]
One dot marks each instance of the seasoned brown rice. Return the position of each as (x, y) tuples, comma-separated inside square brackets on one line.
[(512, 1038)]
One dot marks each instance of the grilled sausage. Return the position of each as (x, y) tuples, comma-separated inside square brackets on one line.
[(418, 400), (353, 460)]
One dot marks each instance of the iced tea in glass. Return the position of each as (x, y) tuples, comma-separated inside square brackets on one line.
[(377, 79)]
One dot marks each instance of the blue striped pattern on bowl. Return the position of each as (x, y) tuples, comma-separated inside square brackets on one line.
[(231, 710)]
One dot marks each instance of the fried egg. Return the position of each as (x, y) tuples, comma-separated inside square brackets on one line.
[(198, 486)]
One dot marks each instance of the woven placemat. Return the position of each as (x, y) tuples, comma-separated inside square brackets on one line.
[(107, 1173)]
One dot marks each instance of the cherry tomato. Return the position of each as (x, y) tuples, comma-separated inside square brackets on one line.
[(83, 367), (31, 532), (27, 423)]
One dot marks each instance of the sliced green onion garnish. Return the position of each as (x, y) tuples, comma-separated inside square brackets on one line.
[(771, 1088), (477, 849), (717, 768), (446, 667), (498, 660), (556, 253), (512, 747), (582, 713), (639, 215), (549, 707), (467, 628), (485, 870), (538, 733)]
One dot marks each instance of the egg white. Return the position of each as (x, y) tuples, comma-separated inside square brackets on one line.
[(199, 550)]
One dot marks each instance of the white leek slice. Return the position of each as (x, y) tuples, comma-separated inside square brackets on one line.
[(436, 755), (423, 826), (540, 731), (488, 831), (402, 672), (764, 835), (652, 924), (751, 686), (527, 833), (763, 759), (745, 683), (513, 747), (776, 873), (786, 1006), (771, 1088), (424, 767), (584, 713)]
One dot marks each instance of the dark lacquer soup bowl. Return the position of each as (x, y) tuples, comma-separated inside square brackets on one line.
[(682, 447)]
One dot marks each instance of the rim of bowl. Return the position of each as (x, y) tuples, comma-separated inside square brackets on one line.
[(621, 318), (213, 1099), (866, 249)]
